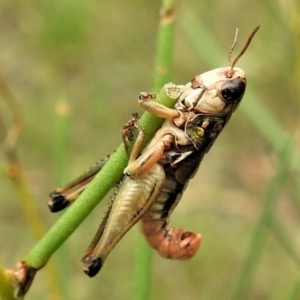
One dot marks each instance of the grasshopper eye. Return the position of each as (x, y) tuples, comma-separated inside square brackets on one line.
[(233, 90)]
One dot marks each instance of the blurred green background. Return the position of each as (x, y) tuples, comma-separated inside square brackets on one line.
[(95, 57)]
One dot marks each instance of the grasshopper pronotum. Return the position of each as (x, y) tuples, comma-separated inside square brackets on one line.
[(154, 181)]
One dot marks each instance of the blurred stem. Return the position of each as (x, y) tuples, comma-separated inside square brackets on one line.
[(29, 209), (284, 239), (142, 276), (294, 188), (16, 174), (6, 288), (164, 45), (293, 16), (34, 221), (62, 112), (295, 292), (266, 215), (96, 190), (61, 137), (14, 167), (11, 135), (163, 64)]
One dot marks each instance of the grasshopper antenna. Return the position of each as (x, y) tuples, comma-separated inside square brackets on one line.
[(232, 47), (230, 72)]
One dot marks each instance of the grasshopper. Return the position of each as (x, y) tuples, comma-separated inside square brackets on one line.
[(154, 181)]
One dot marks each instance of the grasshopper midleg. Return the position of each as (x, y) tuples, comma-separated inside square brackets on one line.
[(66, 195)]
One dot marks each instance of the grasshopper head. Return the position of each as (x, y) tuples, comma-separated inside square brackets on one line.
[(213, 92), (218, 91)]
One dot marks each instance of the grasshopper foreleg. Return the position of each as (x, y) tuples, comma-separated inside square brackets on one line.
[(147, 102)]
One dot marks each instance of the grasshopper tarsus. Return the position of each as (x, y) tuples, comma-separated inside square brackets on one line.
[(91, 266), (57, 202), (66, 195), (127, 132), (147, 96)]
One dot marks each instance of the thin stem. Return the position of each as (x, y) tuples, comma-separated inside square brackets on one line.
[(258, 237), (296, 291), (6, 288), (16, 174), (62, 110), (163, 64), (286, 241), (60, 155), (164, 45), (95, 191)]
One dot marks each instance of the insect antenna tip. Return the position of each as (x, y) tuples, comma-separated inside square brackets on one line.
[(230, 72)]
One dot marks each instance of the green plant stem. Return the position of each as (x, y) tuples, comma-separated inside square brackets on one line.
[(286, 241), (18, 178), (164, 45), (163, 64), (6, 288), (142, 274), (60, 158), (62, 111), (295, 292), (259, 234), (97, 189)]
